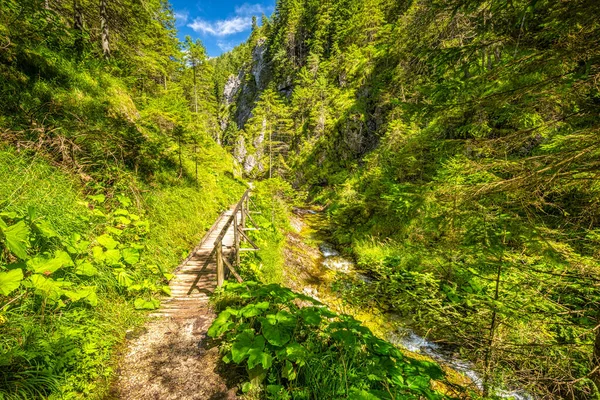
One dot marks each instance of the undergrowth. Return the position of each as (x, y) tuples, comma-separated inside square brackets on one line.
[(270, 214), (79, 263), (291, 347)]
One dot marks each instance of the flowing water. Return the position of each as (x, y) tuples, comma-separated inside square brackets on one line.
[(332, 261)]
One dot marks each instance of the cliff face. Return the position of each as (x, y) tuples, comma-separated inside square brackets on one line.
[(443, 125), (240, 95), (231, 87), (230, 90), (324, 94)]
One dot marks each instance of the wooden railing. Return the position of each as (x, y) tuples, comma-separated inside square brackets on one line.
[(229, 256)]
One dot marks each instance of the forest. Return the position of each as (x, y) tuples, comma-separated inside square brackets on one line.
[(449, 147)]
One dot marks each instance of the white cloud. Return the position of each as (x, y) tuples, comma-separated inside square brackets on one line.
[(181, 17), (252, 9), (222, 27), (242, 21), (225, 46)]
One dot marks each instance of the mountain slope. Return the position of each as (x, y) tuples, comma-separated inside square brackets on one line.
[(456, 144)]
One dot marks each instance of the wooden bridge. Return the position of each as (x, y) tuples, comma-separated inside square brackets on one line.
[(168, 360), (211, 262)]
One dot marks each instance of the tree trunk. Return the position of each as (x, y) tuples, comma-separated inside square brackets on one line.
[(596, 358), (104, 28), (195, 91), (180, 158), (78, 26), (196, 160), (493, 324)]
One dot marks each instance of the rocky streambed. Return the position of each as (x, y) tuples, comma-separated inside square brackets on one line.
[(314, 266)]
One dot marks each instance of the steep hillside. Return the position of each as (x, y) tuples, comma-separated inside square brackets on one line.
[(453, 143), (109, 175), (456, 146)]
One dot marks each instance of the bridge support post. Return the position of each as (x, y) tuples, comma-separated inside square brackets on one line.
[(243, 212), (236, 240), (220, 267)]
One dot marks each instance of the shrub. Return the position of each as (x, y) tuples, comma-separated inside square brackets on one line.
[(292, 347)]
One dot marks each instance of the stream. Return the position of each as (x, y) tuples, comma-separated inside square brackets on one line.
[(330, 263)]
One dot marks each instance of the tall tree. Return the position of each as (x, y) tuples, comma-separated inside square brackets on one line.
[(105, 41), (195, 56)]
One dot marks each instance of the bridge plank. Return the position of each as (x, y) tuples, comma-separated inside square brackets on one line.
[(196, 278)]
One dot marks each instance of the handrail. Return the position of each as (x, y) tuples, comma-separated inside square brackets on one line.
[(230, 220), (241, 208)]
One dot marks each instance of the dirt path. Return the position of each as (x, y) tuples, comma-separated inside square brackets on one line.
[(169, 358)]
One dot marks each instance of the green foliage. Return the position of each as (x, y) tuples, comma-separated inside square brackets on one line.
[(294, 348), (66, 303), (455, 144), (270, 211), (108, 176)]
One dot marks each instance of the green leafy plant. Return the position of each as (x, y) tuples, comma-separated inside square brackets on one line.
[(291, 346)]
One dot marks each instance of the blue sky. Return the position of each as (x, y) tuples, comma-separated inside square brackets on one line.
[(220, 24)]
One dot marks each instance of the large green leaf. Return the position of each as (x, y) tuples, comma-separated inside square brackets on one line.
[(166, 289), (9, 215), (107, 241), (286, 319), (45, 229), (42, 265), (120, 211), (46, 287), (131, 256), (75, 245), (360, 394), (16, 237), (258, 357), (112, 257), (146, 304), (295, 352), (244, 343), (220, 324), (288, 371), (87, 294), (277, 332), (123, 277), (10, 281), (310, 315), (430, 369), (418, 382), (124, 200), (86, 269), (98, 253), (122, 220), (252, 310), (99, 198)]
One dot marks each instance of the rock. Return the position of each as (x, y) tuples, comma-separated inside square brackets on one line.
[(250, 163), (240, 151), (135, 333), (223, 123), (244, 103), (311, 292), (248, 91), (258, 61), (259, 140), (232, 86), (286, 88), (328, 250)]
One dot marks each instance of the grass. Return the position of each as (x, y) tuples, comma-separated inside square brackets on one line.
[(271, 198), (294, 348), (29, 181), (71, 351), (181, 214)]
